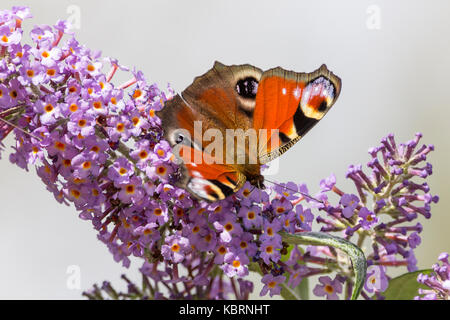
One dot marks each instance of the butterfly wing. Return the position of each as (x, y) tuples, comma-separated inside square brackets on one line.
[(217, 94), (218, 100), (209, 179), (289, 104)]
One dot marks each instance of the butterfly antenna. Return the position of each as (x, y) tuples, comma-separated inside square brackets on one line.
[(20, 129), (295, 191)]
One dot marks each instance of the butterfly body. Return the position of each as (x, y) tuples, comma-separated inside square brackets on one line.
[(233, 119)]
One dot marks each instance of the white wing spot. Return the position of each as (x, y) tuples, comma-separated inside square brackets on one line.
[(197, 174)]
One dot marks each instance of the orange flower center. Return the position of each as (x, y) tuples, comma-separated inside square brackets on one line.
[(86, 165), (329, 289), (130, 189), (95, 149), (143, 154), (161, 170), (48, 108), (97, 105), (60, 146), (75, 193), (73, 107), (120, 127), (160, 152), (137, 93)]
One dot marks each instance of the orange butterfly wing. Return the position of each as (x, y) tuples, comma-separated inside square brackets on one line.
[(210, 179), (289, 104)]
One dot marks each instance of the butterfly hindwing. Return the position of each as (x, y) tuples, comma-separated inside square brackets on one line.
[(208, 178)]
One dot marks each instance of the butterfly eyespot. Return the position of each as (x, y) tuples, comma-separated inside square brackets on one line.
[(323, 106), (179, 138), (247, 87)]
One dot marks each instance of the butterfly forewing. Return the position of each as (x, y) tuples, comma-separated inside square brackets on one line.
[(291, 103)]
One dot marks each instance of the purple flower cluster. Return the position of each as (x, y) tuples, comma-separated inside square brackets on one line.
[(380, 216), (438, 282), (99, 146)]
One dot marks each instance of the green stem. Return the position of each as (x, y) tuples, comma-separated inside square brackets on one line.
[(323, 239)]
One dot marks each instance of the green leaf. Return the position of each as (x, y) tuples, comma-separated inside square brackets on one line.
[(405, 287), (288, 293), (324, 239), (303, 289), (285, 257)]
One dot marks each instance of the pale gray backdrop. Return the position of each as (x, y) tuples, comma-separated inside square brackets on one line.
[(393, 58)]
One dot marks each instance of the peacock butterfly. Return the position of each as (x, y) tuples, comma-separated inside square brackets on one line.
[(233, 119)]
